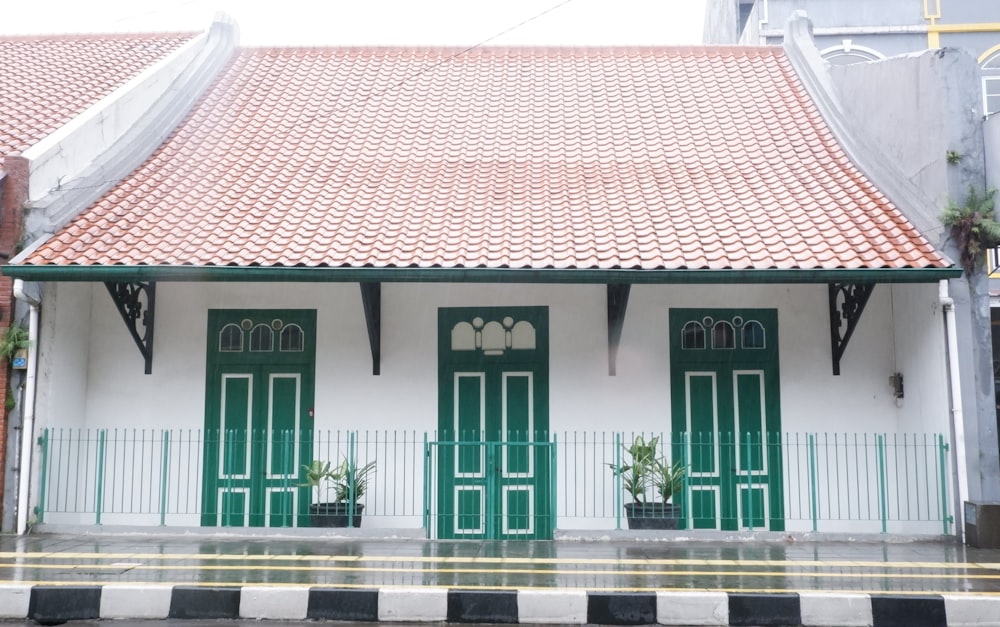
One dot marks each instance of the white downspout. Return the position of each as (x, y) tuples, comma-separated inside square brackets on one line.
[(957, 418), (28, 424)]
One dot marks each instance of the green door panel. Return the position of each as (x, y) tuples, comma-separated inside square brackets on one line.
[(752, 512), (749, 418), (704, 506), (236, 422), (725, 398), (258, 429), (493, 449), (234, 507)]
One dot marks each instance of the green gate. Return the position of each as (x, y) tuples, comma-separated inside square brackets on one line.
[(493, 477), (499, 490), (258, 424)]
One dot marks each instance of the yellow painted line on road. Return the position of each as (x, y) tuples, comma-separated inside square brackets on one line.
[(501, 560), (369, 586), (503, 571)]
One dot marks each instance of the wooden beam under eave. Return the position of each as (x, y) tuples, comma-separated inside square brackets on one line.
[(371, 300), (617, 304)]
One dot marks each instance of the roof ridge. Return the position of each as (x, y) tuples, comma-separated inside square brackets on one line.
[(97, 35)]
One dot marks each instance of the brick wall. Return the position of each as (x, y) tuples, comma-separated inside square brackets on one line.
[(13, 194)]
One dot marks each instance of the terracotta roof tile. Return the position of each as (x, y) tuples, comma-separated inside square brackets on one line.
[(47, 80), (700, 157)]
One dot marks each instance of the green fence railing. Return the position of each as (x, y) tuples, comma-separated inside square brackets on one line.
[(854, 482), (824, 482), (483, 489)]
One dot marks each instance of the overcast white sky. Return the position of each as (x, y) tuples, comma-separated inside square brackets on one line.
[(347, 22)]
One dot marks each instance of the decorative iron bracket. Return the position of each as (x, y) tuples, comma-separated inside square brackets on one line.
[(847, 302), (617, 304), (136, 302), (371, 300)]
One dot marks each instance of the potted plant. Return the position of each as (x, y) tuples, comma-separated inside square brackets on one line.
[(347, 482), (642, 470)]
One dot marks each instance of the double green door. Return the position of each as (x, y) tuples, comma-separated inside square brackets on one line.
[(493, 447), (725, 402), (258, 424)]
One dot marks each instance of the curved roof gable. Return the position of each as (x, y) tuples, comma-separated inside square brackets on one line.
[(47, 80), (568, 158)]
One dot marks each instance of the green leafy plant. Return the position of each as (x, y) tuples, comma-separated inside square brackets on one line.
[(973, 226), (643, 470), (15, 338), (669, 479), (953, 157), (315, 474), (347, 481)]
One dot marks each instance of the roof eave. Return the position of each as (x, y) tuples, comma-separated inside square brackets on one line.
[(144, 273)]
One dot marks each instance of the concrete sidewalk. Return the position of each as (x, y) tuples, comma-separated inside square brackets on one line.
[(682, 581)]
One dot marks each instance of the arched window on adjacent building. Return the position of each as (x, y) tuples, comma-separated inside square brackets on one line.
[(990, 66), (847, 53)]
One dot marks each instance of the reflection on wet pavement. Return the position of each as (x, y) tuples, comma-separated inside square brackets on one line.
[(611, 565)]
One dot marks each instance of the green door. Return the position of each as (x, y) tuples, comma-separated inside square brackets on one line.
[(258, 423), (493, 424), (724, 400)]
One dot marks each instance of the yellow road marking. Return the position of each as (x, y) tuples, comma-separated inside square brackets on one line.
[(369, 586), (501, 560), (508, 571)]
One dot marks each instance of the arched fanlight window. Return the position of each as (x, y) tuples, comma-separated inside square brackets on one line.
[(231, 339), (493, 337), (522, 334), (463, 337), (693, 336), (753, 335), (261, 339), (723, 335), (292, 339)]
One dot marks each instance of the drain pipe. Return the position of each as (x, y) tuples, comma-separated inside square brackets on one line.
[(957, 418), (28, 422)]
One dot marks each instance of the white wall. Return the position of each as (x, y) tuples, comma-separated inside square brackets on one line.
[(900, 330), (93, 373), (64, 341)]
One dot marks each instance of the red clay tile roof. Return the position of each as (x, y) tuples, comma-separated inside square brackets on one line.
[(646, 158), (47, 80)]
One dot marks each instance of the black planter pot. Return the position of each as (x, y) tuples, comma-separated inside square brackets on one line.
[(652, 515), (333, 515)]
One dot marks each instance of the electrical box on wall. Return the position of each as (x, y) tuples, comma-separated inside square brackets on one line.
[(896, 383)]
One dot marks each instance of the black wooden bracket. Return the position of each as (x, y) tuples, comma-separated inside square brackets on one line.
[(136, 302), (847, 302), (371, 300), (617, 304)]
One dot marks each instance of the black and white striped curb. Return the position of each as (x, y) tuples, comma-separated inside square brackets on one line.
[(54, 604)]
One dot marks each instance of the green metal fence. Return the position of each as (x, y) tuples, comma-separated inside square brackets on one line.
[(824, 482), (828, 482), (482, 489), (157, 476)]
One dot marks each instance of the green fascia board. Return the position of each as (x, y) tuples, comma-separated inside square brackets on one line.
[(471, 275)]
